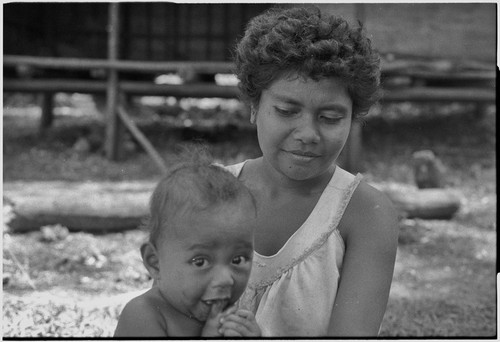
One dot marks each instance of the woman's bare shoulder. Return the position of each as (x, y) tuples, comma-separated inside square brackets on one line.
[(370, 214)]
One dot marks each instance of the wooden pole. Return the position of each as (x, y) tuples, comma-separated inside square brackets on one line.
[(354, 148), (47, 111), (416, 94), (112, 123), (129, 66), (127, 87), (141, 139)]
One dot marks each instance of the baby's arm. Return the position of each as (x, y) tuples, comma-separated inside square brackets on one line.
[(140, 319), (242, 323)]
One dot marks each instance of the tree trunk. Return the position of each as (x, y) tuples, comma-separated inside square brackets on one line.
[(78, 206), (440, 204), (120, 206)]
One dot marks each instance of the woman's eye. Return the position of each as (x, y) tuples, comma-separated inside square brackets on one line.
[(330, 120), (284, 111), (240, 259), (199, 262)]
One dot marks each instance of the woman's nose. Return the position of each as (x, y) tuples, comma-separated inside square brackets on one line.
[(307, 130)]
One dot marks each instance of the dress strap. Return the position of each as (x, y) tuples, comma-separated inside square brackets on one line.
[(235, 169), (319, 226)]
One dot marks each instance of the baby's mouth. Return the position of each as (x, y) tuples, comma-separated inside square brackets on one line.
[(221, 302), (206, 307)]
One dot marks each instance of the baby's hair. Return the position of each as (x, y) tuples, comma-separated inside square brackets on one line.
[(284, 41), (193, 183)]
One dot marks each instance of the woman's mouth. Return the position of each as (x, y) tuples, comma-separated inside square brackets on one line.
[(303, 155)]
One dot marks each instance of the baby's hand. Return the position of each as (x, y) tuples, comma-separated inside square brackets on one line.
[(242, 323), (213, 322)]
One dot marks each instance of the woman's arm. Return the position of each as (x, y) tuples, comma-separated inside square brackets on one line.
[(370, 230)]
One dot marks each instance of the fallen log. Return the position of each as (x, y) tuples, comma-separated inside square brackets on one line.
[(110, 206), (435, 203), (78, 206)]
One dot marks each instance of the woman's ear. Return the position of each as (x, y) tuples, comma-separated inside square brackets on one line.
[(151, 260), (253, 114)]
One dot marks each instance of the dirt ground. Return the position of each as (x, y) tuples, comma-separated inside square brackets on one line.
[(59, 284)]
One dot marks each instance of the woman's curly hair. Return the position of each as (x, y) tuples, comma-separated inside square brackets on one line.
[(282, 41)]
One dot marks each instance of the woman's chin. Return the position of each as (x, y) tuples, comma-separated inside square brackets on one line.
[(298, 174), (304, 173)]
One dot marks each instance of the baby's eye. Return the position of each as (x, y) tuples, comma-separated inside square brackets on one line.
[(240, 259), (199, 262)]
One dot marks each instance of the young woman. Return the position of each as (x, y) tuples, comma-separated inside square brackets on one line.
[(325, 241)]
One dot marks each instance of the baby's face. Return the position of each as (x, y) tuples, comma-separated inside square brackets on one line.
[(206, 258)]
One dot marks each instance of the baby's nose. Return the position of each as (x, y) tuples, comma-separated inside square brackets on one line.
[(222, 278)]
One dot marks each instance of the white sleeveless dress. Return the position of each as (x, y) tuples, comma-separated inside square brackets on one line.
[(292, 292)]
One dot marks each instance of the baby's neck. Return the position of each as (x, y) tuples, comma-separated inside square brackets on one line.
[(179, 323)]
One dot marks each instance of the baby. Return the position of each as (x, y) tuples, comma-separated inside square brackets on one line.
[(199, 254)]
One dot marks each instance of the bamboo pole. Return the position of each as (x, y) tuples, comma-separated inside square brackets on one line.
[(127, 87), (141, 139), (113, 145), (129, 66), (437, 94), (210, 90), (353, 151), (47, 111)]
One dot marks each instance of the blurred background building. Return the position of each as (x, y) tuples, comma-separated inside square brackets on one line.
[(161, 31)]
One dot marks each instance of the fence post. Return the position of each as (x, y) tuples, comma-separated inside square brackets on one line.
[(47, 111), (113, 126), (351, 156)]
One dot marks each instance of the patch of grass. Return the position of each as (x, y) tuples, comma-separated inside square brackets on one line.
[(63, 320), (90, 263), (65, 288), (435, 317), (444, 282)]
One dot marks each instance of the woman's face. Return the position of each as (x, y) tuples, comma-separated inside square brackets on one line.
[(303, 124)]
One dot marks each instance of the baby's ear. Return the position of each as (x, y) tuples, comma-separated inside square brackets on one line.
[(150, 260)]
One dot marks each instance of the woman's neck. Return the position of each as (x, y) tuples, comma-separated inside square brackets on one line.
[(279, 184)]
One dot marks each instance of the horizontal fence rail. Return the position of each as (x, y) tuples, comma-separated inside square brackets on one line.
[(200, 90), (127, 87), (120, 65), (417, 93), (436, 94)]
